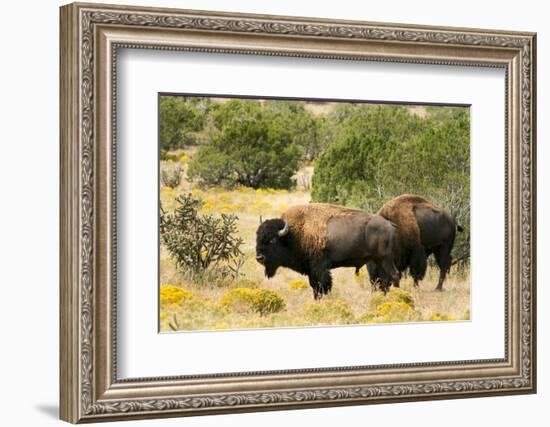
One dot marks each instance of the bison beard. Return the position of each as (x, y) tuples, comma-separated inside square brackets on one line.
[(270, 269)]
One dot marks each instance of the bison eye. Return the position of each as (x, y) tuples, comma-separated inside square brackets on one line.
[(273, 240)]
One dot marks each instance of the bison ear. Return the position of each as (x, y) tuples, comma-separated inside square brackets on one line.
[(284, 231)]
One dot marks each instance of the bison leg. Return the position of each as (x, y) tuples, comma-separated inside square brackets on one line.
[(418, 264), (321, 283), (391, 271), (315, 285), (320, 271), (374, 274), (326, 281), (317, 295), (377, 276), (388, 274), (443, 259)]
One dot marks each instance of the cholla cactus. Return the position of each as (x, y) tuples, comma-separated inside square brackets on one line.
[(200, 242)]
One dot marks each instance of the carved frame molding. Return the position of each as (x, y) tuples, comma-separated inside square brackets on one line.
[(90, 36)]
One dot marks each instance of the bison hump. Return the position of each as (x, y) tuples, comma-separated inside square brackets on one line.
[(309, 224), (400, 211)]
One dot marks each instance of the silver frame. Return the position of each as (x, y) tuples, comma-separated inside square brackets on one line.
[(90, 37)]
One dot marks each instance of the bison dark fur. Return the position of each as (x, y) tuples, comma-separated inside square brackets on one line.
[(315, 238), (423, 229)]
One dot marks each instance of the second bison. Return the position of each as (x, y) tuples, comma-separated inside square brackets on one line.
[(423, 229), (312, 239)]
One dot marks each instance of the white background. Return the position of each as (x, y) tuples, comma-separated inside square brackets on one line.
[(144, 73), (29, 174)]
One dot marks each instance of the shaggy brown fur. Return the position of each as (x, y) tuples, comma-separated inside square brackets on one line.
[(400, 211), (310, 223)]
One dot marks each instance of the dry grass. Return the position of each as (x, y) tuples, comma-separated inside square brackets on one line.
[(205, 311)]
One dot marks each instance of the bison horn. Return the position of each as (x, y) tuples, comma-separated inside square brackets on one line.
[(284, 231), (261, 220)]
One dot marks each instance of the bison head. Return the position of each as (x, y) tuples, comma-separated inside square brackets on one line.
[(272, 248)]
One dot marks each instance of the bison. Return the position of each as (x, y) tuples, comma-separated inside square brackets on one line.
[(312, 239), (423, 229)]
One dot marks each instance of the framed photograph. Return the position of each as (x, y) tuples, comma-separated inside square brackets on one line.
[(266, 212)]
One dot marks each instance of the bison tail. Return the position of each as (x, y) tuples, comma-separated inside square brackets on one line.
[(459, 228)]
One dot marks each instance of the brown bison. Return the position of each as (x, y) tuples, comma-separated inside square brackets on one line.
[(312, 239), (423, 229)]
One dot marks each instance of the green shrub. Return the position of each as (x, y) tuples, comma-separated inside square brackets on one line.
[(251, 146), (173, 295), (298, 284), (397, 295), (181, 118), (245, 283), (243, 300), (391, 312), (170, 174), (328, 312), (200, 243), (396, 306)]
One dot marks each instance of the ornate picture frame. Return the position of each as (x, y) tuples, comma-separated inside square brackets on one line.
[(90, 37)]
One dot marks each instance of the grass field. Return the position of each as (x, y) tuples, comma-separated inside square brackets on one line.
[(237, 304)]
